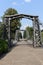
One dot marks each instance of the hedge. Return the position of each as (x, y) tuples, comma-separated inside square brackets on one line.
[(3, 46)]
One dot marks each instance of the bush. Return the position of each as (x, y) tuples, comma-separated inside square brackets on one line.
[(3, 46)]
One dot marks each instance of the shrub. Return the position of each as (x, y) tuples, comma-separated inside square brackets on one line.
[(3, 46)]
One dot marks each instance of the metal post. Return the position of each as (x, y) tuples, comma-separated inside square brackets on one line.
[(4, 28), (16, 35), (34, 40), (37, 37), (9, 33), (27, 34)]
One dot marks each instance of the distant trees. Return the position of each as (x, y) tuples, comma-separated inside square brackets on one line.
[(24, 35), (30, 30), (41, 30), (29, 34)]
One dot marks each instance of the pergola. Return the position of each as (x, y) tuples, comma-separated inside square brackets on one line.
[(36, 27)]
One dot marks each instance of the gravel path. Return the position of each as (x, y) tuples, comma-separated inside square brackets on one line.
[(23, 55)]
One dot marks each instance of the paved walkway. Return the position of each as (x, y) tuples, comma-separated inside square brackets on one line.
[(23, 55)]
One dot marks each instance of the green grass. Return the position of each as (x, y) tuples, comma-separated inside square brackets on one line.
[(42, 36)]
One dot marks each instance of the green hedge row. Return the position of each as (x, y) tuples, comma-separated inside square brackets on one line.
[(3, 46)]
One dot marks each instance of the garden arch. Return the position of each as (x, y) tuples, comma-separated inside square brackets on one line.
[(36, 27)]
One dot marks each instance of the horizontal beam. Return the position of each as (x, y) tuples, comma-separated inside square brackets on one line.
[(17, 15), (21, 17)]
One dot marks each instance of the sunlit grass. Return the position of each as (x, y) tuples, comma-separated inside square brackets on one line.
[(42, 36)]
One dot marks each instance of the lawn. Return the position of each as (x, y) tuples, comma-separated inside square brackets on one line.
[(42, 36)]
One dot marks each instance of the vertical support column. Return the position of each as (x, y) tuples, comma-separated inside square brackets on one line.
[(4, 28), (37, 37), (27, 34), (9, 32), (16, 35), (34, 36)]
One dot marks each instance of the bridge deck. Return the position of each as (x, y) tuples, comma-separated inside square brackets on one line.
[(23, 55)]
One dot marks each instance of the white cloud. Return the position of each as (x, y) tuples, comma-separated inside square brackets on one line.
[(14, 3), (27, 0)]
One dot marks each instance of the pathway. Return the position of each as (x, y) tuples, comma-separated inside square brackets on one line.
[(23, 55)]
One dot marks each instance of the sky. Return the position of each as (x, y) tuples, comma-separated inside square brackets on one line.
[(30, 7)]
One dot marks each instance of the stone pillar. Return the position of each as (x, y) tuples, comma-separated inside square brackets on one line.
[(36, 33)]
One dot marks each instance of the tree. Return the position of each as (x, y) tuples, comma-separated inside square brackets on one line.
[(15, 24), (24, 34), (30, 30), (1, 29)]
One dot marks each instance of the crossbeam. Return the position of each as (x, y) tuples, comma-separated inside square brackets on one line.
[(17, 15)]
